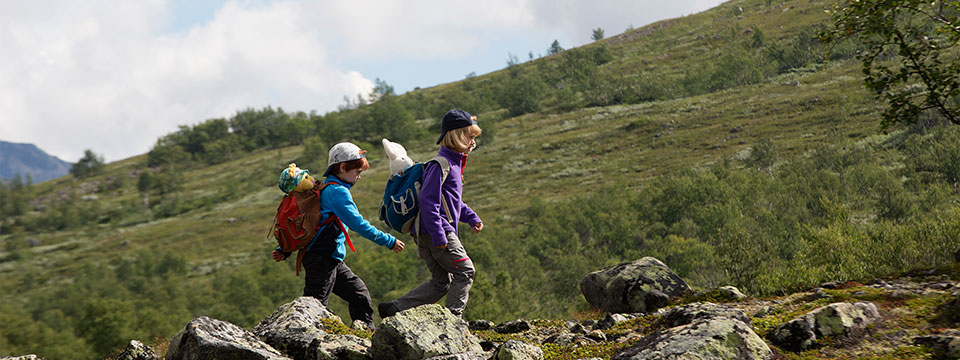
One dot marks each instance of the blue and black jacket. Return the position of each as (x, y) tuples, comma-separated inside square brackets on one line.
[(337, 200)]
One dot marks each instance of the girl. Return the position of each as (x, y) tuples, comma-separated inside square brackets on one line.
[(438, 242), (325, 270)]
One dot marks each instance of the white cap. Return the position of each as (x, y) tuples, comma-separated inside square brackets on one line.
[(343, 152)]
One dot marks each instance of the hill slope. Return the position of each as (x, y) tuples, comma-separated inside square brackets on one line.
[(690, 146)]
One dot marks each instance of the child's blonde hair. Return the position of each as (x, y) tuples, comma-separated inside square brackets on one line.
[(459, 139)]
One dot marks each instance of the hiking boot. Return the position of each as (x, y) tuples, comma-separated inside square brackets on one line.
[(387, 309)]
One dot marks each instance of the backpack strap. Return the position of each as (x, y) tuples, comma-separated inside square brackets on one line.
[(300, 254), (444, 172)]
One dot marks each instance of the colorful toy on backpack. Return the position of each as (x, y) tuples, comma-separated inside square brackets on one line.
[(294, 179), (397, 155), (298, 215), (401, 197)]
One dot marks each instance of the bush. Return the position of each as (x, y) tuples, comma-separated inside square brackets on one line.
[(522, 94), (762, 155), (936, 152), (90, 164)]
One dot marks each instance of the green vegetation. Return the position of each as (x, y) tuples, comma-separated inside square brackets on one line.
[(719, 143), (89, 164), (925, 36)]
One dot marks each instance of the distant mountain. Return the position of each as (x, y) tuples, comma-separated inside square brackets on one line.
[(26, 159)]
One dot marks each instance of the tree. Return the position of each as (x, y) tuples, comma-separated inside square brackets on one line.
[(90, 164), (381, 90), (554, 48), (597, 34), (512, 60), (925, 38)]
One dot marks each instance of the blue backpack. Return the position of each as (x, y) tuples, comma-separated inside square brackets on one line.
[(401, 197)]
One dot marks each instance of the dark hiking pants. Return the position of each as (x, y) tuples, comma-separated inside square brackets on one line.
[(325, 275)]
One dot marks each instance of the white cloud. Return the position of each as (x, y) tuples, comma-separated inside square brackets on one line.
[(98, 76), (103, 75)]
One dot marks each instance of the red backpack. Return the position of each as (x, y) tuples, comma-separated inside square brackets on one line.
[(298, 221)]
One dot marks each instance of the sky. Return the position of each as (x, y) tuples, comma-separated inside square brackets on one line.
[(114, 76)]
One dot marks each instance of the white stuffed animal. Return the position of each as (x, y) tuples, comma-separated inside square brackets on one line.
[(397, 155)]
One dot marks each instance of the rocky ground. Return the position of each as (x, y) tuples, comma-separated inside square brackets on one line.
[(912, 316)]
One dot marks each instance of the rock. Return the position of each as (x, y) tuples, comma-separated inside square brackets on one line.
[(335, 347), (943, 346), (944, 286), (360, 325), (818, 293), (878, 283), (564, 340), (715, 338), (33, 242), (577, 329), (517, 350), (837, 319), (206, 338), (597, 335), (690, 313), (423, 332), (296, 329), (641, 286), (23, 357), (136, 350), (952, 308), (462, 356), (731, 293), (480, 325), (833, 285), (763, 311), (511, 327), (487, 345), (609, 321), (655, 299)]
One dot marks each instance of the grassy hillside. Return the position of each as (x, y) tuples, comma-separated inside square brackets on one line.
[(719, 142)]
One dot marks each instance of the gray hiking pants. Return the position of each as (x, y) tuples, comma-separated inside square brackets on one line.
[(452, 275)]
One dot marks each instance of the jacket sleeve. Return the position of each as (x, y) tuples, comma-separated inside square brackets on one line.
[(430, 215), (468, 216), (345, 209)]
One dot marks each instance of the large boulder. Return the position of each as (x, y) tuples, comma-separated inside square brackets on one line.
[(842, 320), (206, 338), (640, 286), (136, 350), (297, 330), (424, 332), (700, 331), (517, 350), (717, 338), (686, 314)]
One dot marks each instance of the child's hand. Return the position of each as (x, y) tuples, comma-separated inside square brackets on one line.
[(477, 227), (398, 246), (278, 256)]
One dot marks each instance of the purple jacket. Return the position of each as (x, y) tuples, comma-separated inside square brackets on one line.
[(433, 219)]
